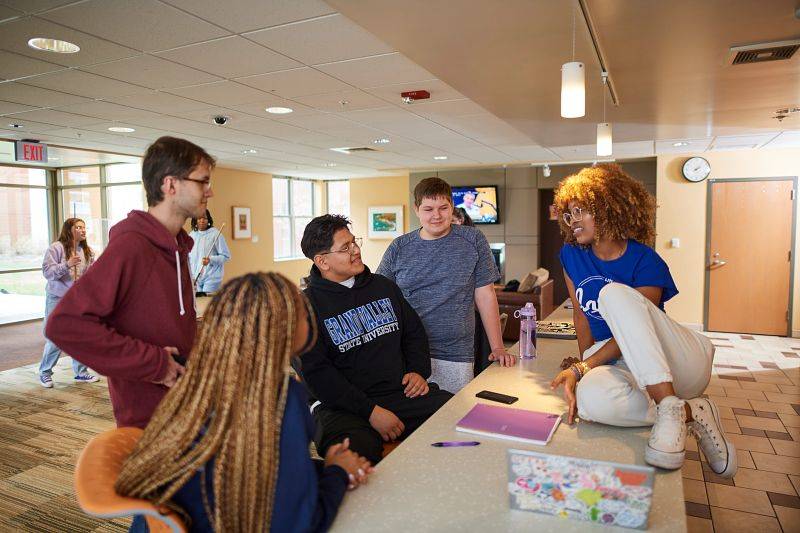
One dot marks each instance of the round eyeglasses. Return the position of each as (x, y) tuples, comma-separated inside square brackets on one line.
[(575, 215), (349, 249)]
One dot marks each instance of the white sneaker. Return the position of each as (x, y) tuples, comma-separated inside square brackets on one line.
[(706, 426), (667, 445)]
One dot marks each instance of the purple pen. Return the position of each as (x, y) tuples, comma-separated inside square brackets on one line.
[(452, 443)]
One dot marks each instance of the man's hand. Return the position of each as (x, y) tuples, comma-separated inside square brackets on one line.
[(386, 423), (567, 377), (206, 260), (74, 260), (174, 369), (503, 357), (415, 385)]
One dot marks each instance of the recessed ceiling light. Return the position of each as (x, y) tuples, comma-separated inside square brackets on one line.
[(53, 45), (680, 143), (382, 140), (440, 157), (121, 129), (343, 149), (329, 164), (279, 110), (15, 126), (249, 151)]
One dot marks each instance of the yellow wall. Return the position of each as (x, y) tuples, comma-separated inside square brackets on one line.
[(682, 214), (373, 192), (254, 190)]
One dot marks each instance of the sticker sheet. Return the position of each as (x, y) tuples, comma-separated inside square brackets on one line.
[(580, 489)]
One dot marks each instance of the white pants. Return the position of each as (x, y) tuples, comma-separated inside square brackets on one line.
[(655, 349), (451, 376)]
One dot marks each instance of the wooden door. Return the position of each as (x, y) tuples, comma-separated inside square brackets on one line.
[(550, 243), (749, 263)]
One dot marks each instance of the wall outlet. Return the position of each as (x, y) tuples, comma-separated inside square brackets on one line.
[(675, 242)]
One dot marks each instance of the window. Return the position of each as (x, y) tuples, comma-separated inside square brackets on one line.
[(25, 234), (292, 209), (339, 198)]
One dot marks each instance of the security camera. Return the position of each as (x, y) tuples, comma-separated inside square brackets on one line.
[(546, 171), (221, 120)]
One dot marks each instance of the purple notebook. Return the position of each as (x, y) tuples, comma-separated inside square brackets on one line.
[(512, 424)]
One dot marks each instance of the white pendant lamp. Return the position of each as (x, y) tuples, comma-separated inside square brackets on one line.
[(573, 90), (604, 138), (573, 84)]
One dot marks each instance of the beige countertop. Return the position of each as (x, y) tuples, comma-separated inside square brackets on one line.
[(422, 488)]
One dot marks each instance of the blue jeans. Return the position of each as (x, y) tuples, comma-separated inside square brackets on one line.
[(51, 351)]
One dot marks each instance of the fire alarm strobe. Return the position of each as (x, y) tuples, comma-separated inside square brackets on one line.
[(413, 96)]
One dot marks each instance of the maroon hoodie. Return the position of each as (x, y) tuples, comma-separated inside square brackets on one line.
[(117, 318)]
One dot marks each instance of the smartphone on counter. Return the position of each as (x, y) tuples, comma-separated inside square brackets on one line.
[(496, 397)]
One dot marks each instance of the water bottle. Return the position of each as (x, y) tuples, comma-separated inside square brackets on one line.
[(527, 331)]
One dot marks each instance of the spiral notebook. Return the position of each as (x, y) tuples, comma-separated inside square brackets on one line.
[(512, 424)]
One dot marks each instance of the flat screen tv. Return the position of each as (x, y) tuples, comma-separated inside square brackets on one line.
[(480, 203)]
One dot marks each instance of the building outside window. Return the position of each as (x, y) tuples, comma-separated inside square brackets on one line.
[(338, 197), (292, 208)]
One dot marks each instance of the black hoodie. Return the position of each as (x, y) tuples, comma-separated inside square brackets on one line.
[(369, 338)]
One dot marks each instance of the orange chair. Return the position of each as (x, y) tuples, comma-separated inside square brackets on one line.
[(96, 472)]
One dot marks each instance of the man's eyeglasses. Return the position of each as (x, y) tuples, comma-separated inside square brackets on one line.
[(205, 183), (349, 249), (575, 215)]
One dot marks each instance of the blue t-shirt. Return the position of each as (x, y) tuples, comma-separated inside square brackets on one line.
[(639, 266)]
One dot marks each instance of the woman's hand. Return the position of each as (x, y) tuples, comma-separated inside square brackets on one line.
[(73, 261), (357, 467), (567, 377)]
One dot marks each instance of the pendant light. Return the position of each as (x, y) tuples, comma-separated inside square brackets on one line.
[(604, 140), (573, 84)]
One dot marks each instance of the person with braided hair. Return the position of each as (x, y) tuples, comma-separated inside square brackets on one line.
[(638, 367), (227, 448)]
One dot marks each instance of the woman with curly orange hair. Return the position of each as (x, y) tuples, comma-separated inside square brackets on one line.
[(639, 367)]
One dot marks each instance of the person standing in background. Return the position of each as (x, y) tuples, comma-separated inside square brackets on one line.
[(64, 262), (210, 251)]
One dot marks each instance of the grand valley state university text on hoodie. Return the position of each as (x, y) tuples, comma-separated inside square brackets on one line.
[(136, 299), (369, 338)]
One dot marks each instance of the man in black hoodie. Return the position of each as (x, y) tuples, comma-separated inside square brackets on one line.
[(367, 372)]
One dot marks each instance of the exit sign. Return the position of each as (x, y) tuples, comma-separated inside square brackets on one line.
[(31, 151)]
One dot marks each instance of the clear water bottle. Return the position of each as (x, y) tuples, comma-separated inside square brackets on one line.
[(527, 331)]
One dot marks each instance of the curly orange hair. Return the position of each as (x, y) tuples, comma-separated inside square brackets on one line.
[(621, 206)]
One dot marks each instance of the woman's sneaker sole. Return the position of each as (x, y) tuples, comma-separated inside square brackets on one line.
[(665, 460)]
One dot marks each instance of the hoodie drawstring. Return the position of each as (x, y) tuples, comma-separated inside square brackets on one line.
[(180, 285)]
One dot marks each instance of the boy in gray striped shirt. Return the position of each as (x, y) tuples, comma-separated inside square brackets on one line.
[(445, 271)]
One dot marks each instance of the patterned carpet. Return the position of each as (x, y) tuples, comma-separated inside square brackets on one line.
[(756, 383)]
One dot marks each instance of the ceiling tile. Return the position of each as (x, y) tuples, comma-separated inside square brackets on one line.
[(485, 128), (35, 6), (576, 153), (527, 152), (160, 102), (14, 36), (58, 118), (270, 128), (787, 139), (230, 57), (34, 96), (84, 84), (7, 13), (438, 89), (11, 107), (744, 142), (693, 145), (222, 93), (13, 66), (354, 100), (258, 108), (253, 14), (166, 27), (296, 82), (321, 40), (632, 149), (446, 108), (388, 69), (152, 72), (110, 111)]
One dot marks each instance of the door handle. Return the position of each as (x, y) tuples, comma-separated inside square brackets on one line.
[(716, 262)]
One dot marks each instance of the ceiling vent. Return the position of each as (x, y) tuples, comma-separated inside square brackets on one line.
[(758, 53), (349, 150)]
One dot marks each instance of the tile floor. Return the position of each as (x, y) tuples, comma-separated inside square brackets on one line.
[(756, 384)]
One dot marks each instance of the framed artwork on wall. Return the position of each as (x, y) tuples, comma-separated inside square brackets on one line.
[(242, 223), (385, 222)]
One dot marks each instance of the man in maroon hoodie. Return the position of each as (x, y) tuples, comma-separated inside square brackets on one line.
[(134, 309)]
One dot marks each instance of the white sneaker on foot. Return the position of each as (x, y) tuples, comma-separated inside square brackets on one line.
[(707, 427), (667, 445)]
